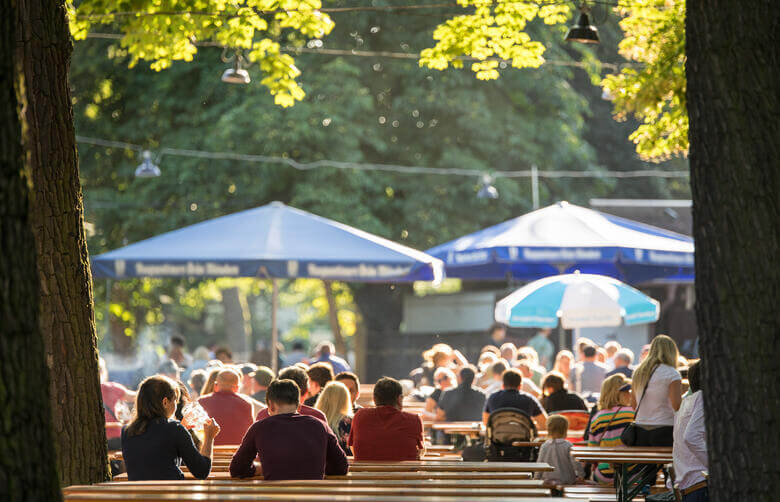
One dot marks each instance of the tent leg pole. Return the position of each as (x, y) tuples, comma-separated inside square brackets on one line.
[(274, 327)]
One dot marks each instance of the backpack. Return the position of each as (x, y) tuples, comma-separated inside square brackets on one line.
[(505, 426)]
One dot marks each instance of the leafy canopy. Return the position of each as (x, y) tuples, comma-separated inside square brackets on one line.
[(494, 31), (653, 92), (163, 31), (654, 36)]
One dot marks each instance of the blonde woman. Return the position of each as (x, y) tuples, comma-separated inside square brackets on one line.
[(335, 403), (208, 387), (563, 364), (657, 393), (443, 379), (615, 413)]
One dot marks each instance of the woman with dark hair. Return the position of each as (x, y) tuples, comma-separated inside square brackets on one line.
[(556, 397), (153, 445)]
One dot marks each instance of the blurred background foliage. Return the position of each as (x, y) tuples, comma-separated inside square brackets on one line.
[(363, 109)]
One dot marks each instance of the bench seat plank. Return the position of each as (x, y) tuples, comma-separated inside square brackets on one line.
[(420, 491)]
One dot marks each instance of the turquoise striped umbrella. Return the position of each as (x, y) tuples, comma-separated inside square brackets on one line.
[(578, 301)]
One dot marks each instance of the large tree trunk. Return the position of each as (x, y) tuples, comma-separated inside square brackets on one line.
[(381, 310), (333, 318), (732, 72), (27, 469), (66, 309), (237, 322)]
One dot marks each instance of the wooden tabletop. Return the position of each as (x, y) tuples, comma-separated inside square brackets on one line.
[(323, 497), (381, 475), (628, 449), (393, 482), (423, 490), (443, 465), (616, 457)]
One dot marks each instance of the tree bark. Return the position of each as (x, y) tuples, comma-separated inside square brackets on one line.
[(27, 469), (333, 318), (66, 308), (732, 71), (381, 310), (237, 324)]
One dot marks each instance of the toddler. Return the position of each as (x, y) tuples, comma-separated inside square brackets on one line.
[(556, 451)]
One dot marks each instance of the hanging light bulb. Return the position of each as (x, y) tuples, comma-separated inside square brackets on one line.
[(237, 74), (147, 169), (487, 190), (583, 31)]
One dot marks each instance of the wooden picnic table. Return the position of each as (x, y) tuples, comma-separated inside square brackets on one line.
[(427, 465), (452, 482), (314, 497), (444, 466), (302, 488), (377, 475), (627, 486)]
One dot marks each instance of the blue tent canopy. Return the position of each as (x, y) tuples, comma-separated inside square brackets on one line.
[(273, 241), (563, 238)]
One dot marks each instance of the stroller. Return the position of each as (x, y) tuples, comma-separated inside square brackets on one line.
[(505, 426)]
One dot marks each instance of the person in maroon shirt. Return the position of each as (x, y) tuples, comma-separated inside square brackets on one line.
[(290, 445), (386, 432), (228, 408), (301, 379)]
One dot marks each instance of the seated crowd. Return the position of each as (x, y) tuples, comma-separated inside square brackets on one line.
[(304, 422)]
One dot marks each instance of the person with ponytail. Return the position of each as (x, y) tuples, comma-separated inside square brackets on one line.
[(154, 445), (657, 394)]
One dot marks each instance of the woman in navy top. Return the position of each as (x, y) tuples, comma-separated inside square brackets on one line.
[(154, 445)]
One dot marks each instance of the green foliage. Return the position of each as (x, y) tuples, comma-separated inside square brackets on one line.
[(374, 109), (494, 31), (654, 91), (171, 30)]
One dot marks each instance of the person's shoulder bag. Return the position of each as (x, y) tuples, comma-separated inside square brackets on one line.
[(628, 436)]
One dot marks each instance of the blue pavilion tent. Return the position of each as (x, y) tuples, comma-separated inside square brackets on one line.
[(271, 241), (563, 238)]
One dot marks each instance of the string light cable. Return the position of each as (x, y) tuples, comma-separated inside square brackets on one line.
[(323, 51), (367, 166)]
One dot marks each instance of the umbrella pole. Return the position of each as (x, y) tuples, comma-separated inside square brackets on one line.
[(274, 328), (561, 338)]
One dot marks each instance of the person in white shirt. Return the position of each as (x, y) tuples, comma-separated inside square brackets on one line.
[(657, 394), (589, 374), (690, 442)]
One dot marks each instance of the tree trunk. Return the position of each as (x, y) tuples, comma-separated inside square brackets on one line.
[(333, 317), (237, 325), (66, 308), (732, 71), (381, 309), (27, 469)]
